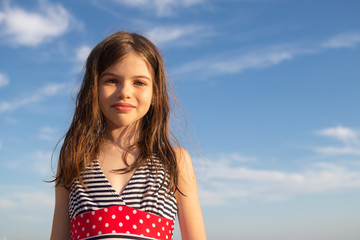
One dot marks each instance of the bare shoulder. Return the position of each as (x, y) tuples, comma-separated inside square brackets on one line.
[(187, 180), (182, 155), (189, 211), (184, 162)]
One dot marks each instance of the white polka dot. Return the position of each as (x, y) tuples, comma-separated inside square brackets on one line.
[(134, 212), (78, 236), (88, 234), (83, 229), (100, 218), (75, 231), (167, 237), (170, 231), (120, 208), (73, 225), (113, 231), (127, 232), (99, 232), (93, 226), (87, 220), (127, 217), (106, 224), (153, 225), (105, 210), (158, 234), (113, 216), (82, 215), (147, 230), (78, 223), (167, 223), (142, 235), (93, 213), (141, 221), (120, 224), (163, 228), (159, 219), (148, 216), (134, 226)]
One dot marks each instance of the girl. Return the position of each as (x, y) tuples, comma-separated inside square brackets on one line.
[(118, 175)]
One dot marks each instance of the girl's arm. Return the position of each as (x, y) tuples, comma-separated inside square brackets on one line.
[(61, 221), (189, 212)]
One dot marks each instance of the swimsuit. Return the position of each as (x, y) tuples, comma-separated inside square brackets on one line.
[(141, 211)]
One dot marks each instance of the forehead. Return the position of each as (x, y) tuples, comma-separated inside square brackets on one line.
[(132, 64)]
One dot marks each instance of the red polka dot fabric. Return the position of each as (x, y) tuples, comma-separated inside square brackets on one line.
[(121, 220)]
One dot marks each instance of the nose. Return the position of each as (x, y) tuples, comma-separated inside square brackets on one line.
[(124, 90)]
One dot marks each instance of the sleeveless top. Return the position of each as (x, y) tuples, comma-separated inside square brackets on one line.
[(142, 211)]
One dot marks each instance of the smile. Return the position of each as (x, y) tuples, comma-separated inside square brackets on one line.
[(123, 107)]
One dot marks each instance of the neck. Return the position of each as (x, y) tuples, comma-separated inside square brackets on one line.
[(123, 137)]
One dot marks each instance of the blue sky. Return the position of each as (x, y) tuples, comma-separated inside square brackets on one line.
[(270, 89)]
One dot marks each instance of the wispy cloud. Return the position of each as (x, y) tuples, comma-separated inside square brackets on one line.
[(349, 138), (4, 80), (344, 134), (230, 64), (162, 8), (228, 179), (81, 54), (185, 34), (264, 57), (37, 163), (41, 161), (343, 40), (225, 182), (48, 133), (25, 203), (44, 92), (22, 27)]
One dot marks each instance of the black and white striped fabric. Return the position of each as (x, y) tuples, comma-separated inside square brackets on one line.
[(137, 194)]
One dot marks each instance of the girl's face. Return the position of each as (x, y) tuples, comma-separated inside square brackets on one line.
[(125, 91)]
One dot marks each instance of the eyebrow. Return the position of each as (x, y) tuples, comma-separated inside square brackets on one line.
[(113, 74)]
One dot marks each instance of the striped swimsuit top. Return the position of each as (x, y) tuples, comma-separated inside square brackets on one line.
[(141, 211)]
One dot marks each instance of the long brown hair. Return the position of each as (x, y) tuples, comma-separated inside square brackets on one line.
[(86, 133)]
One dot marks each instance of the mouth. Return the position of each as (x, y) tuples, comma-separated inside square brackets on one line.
[(123, 107)]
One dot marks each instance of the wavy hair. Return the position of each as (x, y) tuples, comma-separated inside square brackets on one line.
[(86, 133)]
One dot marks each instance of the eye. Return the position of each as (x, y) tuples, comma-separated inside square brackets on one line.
[(111, 81), (139, 83)]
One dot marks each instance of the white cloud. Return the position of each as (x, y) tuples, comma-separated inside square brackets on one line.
[(344, 40), (350, 139), (44, 92), (38, 163), (215, 65), (230, 63), (225, 182), (48, 133), (341, 133), (4, 80), (251, 61), (17, 202), (82, 53), (23, 197), (185, 35), (22, 27), (343, 150), (161, 7), (42, 162)]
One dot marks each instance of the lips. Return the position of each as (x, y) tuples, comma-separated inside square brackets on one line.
[(123, 107)]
